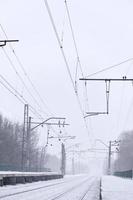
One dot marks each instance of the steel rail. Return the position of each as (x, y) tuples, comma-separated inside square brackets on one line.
[(34, 189), (71, 189), (86, 193)]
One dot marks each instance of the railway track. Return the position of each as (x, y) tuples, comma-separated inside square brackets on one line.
[(36, 188), (81, 197), (86, 193)]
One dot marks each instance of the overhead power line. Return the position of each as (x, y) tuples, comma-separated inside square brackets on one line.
[(29, 79), (25, 73), (73, 36), (64, 57), (11, 92), (15, 93), (78, 61), (20, 78), (110, 67), (59, 42)]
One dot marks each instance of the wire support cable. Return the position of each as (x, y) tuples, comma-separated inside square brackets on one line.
[(110, 67), (64, 57)]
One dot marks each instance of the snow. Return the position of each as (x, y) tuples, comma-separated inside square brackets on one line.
[(115, 188), (2, 173), (71, 187), (15, 173)]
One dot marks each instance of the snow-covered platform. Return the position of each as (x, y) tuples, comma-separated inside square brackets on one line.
[(12, 178), (114, 188)]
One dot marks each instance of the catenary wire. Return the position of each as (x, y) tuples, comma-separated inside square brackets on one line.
[(21, 79), (13, 66), (14, 94), (65, 59), (29, 79), (22, 99), (24, 71), (59, 42), (73, 36), (18, 95), (33, 86), (78, 57)]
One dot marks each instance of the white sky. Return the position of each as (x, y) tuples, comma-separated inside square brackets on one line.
[(104, 35)]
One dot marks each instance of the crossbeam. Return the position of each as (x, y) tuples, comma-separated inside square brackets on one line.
[(4, 42), (106, 79)]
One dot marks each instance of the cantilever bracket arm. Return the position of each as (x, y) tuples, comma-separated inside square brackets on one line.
[(107, 81), (44, 122), (90, 114), (4, 42)]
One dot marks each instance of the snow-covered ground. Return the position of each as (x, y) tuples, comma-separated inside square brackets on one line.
[(69, 188), (114, 188)]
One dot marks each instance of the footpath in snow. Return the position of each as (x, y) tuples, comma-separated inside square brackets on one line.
[(114, 188)]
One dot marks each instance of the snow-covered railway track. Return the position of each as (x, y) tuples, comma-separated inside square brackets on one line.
[(83, 197), (75, 188), (69, 190), (34, 189)]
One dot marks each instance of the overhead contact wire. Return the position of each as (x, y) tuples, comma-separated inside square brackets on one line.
[(59, 42), (77, 53), (65, 59), (73, 36)]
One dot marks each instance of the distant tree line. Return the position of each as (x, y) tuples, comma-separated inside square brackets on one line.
[(11, 135), (124, 159)]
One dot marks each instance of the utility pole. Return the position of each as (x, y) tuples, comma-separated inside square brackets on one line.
[(63, 160), (109, 159), (109, 147), (52, 123), (73, 164), (111, 144), (63, 151), (29, 145), (73, 154), (24, 137), (43, 152)]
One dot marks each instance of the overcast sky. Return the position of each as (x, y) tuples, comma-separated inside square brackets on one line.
[(104, 35)]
